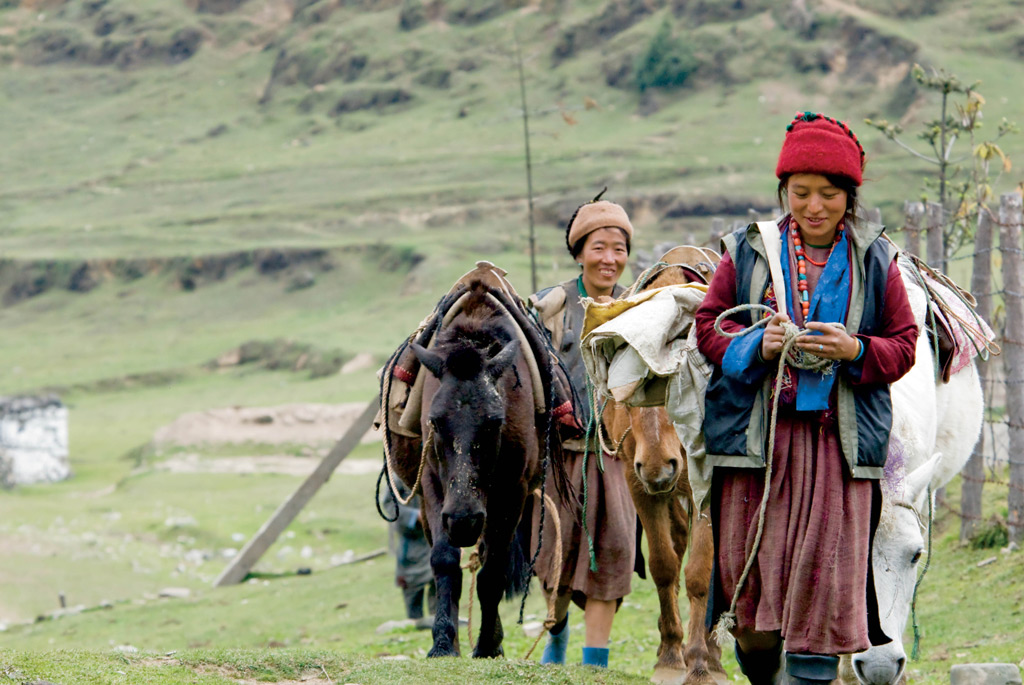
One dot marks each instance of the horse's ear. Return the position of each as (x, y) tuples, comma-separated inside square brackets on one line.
[(433, 361), (919, 480), (504, 359)]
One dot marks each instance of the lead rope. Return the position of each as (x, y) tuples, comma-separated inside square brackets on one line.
[(473, 564), (787, 357), (550, 621), (915, 652)]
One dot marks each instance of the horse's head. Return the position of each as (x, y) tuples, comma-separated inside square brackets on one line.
[(651, 441), (466, 416), (897, 551)]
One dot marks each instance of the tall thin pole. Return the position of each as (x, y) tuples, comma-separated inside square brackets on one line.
[(973, 473), (529, 166), (1010, 220)]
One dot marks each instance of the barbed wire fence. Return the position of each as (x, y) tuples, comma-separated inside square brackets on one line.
[(998, 458)]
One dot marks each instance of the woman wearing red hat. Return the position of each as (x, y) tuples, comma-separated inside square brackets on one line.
[(808, 589), (598, 237)]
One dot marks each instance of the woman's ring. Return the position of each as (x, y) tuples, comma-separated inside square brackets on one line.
[(820, 348)]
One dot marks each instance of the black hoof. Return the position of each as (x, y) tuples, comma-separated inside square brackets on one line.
[(442, 650), (499, 651)]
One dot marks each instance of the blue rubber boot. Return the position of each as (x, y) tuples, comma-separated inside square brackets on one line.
[(595, 656), (558, 643)]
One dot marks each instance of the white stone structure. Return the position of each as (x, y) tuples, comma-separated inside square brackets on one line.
[(33, 440)]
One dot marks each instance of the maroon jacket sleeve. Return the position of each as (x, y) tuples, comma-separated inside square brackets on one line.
[(889, 356), (721, 296)]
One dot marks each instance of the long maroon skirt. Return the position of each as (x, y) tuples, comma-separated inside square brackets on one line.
[(611, 522), (809, 580)]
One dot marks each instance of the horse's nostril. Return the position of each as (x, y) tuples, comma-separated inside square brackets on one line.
[(900, 663), (638, 467)]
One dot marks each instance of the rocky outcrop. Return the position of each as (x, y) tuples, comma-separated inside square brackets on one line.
[(614, 18), (50, 45)]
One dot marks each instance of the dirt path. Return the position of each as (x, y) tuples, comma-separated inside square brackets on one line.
[(296, 424)]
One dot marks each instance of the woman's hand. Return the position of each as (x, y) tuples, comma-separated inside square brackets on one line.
[(771, 343), (833, 343)]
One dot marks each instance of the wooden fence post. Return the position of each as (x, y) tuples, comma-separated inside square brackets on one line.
[(973, 473), (913, 211), (1010, 220), (240, 566), (936, 247)]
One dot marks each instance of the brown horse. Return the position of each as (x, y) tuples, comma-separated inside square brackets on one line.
[(485, 443), (647, 440)]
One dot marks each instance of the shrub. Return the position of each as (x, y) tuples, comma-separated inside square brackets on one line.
[(412, 15), (667, 63), (994, 534)]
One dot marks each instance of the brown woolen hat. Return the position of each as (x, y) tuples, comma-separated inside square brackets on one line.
[(595, 215)]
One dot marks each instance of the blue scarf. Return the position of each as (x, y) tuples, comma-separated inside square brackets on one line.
[(828, 305)]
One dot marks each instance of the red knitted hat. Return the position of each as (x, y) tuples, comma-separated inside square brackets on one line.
[(817, 144)]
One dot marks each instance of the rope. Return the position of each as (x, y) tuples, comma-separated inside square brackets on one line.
[(473, 564), (642, 280), (545, 463), (376, 499), (915, 652), (550, 621), (385, 398), (787, 357), (594, 421)]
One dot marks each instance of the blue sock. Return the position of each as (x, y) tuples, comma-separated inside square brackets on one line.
[(558, 643), (595, 656)]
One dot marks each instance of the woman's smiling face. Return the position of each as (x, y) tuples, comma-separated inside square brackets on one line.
[(816, 205), (603, 259)]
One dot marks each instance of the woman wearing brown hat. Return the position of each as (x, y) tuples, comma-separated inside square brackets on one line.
[(808, 590), (598, 236)]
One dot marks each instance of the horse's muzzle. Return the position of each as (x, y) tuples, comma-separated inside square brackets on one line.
[(880, 666), (658, 479), (464, 528)]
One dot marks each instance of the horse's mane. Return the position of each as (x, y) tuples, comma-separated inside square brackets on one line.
[(478, 333)]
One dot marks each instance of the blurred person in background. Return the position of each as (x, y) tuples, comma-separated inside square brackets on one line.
[(408, 542)]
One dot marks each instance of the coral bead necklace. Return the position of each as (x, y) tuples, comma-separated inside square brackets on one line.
[(802, 258)]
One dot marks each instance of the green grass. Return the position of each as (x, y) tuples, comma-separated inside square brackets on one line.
[(215, 667)]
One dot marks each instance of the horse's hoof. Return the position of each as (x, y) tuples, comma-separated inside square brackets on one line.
[(702, 676), (437, 651), (492, 654), (664, 675)]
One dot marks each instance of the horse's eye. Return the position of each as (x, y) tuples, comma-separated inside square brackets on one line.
[(917, 556)]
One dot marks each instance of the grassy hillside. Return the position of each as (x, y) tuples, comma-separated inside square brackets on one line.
[(158, 154), (270, 133)]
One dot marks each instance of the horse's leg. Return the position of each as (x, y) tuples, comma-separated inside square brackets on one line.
[(491, 582), (703, 653), (664, 562), (444, 560)]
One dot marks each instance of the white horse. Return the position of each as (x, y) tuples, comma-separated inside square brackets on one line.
[(936, 425)]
